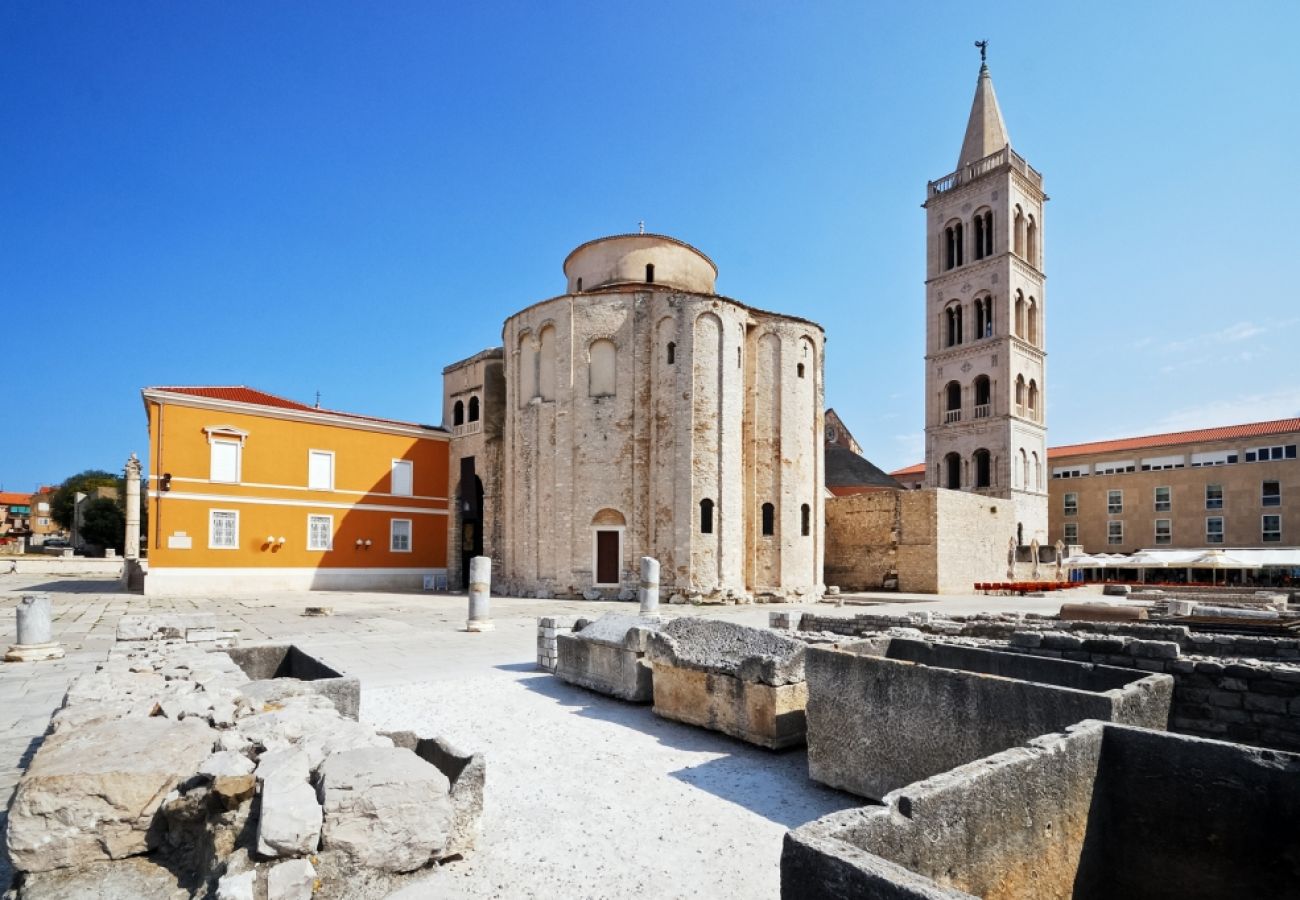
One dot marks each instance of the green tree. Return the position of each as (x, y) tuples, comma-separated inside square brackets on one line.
[(103, 524), (64, 499)]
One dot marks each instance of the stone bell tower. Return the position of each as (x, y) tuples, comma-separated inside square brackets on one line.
[(985, 364)]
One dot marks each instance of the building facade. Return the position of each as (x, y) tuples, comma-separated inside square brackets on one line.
[(985, 426), (1233, 487), (643, 414), (249, 491)]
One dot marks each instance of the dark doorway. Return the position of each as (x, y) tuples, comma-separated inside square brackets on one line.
[(607, 557), (470, 500)]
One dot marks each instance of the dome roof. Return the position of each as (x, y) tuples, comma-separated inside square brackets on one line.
[(639, 259)]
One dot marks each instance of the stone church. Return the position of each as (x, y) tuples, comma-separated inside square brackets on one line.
[(641, 413)]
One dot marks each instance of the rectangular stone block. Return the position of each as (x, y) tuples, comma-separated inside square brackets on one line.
[(763, 714)]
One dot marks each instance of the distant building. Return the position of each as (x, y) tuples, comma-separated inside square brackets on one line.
[(15, 516), (249, 491), (847, 470), (1232, 487), (42, 521)]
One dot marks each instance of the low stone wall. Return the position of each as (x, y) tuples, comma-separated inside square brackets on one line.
[(548, 630), (171, 773), (745, 682), (272, 666), (37, 564), (1102, 811), (886, 712), (608, 656)]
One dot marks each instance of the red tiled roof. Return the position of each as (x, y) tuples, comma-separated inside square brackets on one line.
[(239, 393), (13, 498), (1152, 441)]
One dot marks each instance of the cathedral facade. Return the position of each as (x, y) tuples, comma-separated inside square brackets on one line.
[(641, 413)]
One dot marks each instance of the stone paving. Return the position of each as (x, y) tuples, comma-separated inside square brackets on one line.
[(420, 668)]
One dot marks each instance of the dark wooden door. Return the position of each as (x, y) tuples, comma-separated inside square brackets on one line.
[(607, 557)]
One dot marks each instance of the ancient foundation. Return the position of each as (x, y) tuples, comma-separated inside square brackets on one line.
[(885, 712), (745, 682), (277, 668), (608, 656), (1102, 811)]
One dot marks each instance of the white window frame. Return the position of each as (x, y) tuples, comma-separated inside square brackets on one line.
[(1112, 507), (392, 536), (214, 442), (1069, 508), (1114, 539), (1210, 536), (1265, 498), (1264, 530), (595, 552), (1168, 501), (312, 453), (1168, 533), (410, 478), (1219, 500), (212, 544), (330, 542), (1067, 536)]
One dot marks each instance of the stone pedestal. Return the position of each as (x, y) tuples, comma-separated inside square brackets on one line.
[(480, 591), (648, 591), (35, 622)]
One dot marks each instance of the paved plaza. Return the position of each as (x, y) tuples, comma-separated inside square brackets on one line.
[(586, 796)]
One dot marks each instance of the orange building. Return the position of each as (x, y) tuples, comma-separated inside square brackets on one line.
[(249, 491)]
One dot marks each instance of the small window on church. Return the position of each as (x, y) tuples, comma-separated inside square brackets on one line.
[(799, 369), (769, 520), (672, 353), (649, 273), (805, 520), (473, 409), (706, 516), (579, 285), (458, 413)]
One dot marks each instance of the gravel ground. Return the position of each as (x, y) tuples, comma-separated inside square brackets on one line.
[(590, 797)]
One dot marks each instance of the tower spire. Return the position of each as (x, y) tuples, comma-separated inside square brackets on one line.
[(985, 131)]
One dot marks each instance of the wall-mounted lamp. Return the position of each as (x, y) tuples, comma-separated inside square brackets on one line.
[(166, 483), (270, 539), (280, 542), (367, 543), (360, 543)]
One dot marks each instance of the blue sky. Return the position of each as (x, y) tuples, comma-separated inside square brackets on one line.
[(344, 198)]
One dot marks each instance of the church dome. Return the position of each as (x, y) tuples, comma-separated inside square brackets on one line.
[(639, 259)]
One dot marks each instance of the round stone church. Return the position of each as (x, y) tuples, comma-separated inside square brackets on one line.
[(640, 413)]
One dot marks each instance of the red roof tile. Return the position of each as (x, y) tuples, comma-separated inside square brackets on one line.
[(242, 394), (1154, 441), (14, 498)]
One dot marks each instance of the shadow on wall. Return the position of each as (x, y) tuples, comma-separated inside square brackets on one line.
[(774, 785)]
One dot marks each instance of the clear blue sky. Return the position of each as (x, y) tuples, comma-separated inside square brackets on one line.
[(347, 197)]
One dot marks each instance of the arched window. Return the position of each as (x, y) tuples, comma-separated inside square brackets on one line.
[(458, 413), (672, 353), (602, 370), (649, 273), (988, 316), (988, 233), (983, 470), (769, 520), (1038, 472), (1033, 399), (1031, 242), (706, 516), (952, 236), (1020, 395), (952, 471), (799, 369), (953, 322), (1020, 314), (805, 520), (983, 392), (473, 409), (546, 364), (579, 285), (1019, 237), (982, 227), (1031, 328), (527, 369), (952, 395), (1024, 469)]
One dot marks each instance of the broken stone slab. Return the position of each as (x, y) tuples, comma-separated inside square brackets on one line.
[(92, 793), (135, 878), (293, 879), (226, 762), (385, 808), (238, 886), (608, 656), (467, 773), (709, 645), (161, 627), (292, 762), (290, 819), (287, 662)]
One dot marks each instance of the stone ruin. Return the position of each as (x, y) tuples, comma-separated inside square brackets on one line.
[(169, 772), (1100, 811), (745, 682), (885, 712), (609, 656)]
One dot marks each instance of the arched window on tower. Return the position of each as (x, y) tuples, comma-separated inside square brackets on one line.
[(952, 472), (1024, 469), (1031, 242), (603, 369), (1038, 472), (649, 273), (988, 316), (1031, 327), (1019, 231), (988, 233), (952, 402), (1020, 314), (473, 409), (799, 369), (672, 353), (769, 520), (982, 228), (1020, 395), (1033, 399), (706, 516), (983, 469), (805, 520), (983, 393), (952, 237), (458, 413)]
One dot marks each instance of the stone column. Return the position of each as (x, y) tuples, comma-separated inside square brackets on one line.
[(480, 591), (648, 591), (132, 544), (35, 622)]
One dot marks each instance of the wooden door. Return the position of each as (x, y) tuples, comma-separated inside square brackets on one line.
[(607, 557)]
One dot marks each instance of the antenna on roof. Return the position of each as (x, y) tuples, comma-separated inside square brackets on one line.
[(641, 226), (318, 399)]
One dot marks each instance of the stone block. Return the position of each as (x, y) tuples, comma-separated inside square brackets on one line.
[(293, 879), (770, 716), (608, 656), (290, 819)]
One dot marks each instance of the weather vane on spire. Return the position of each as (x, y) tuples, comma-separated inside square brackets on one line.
[(984, 49), (641, 226)]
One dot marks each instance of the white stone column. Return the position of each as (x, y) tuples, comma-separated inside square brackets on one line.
[(480, 592), (132, 543), (35, 624), (648, 591)]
